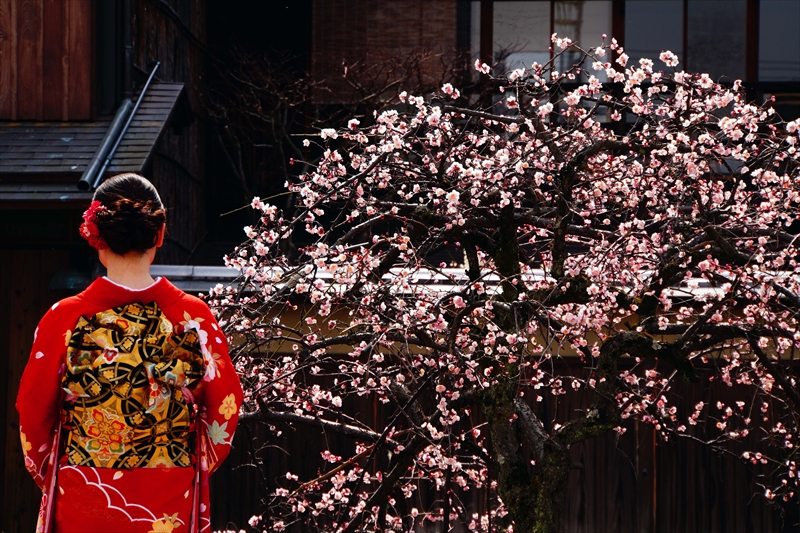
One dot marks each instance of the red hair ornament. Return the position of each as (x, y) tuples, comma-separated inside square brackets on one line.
[(89, 229)]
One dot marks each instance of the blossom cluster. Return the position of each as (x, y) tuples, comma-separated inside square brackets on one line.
[(644, 226)]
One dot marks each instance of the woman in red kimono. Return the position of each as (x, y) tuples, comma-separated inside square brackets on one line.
[(136, 375)]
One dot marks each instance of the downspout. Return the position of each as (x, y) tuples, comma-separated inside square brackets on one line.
[(113, 132), (116, 131)]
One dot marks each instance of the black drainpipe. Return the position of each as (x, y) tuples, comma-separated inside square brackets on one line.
[(113, 132), (88, 178), (108, 146)]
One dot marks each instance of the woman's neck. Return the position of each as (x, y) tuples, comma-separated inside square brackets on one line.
[(131, 270)]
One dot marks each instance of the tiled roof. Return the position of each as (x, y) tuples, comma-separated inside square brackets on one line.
[(43, 192), (192, 279), (57, 153)]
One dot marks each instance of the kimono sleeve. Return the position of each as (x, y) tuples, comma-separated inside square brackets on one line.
[(38, 399), (219, 393)]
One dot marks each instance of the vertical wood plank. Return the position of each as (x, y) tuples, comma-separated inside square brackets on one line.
[(65, 63), (646, 476), (20, 491), (5, 340), (8, 59), (617, 24), (29, 57), (164, 31), (80, 59), (487, 32), (53, 59), (618, 21), (29, 297), (137, 34), (150, 28), (685, 36)]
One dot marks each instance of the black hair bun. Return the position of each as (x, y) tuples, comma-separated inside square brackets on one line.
[(134, 213)]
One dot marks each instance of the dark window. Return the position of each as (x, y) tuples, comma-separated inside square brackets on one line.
[(652, 26), (521, 30), (521, 33), (779, 43), (716, 37), (584, 23)]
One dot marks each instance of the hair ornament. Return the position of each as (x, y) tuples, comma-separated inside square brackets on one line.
[(89, 229)]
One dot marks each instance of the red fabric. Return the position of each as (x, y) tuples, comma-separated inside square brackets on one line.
[(218, 394), (140, 500)]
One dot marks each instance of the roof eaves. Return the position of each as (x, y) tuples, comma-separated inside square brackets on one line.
[(46, 159)]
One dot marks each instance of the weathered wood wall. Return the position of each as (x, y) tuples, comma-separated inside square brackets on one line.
[(639, 483), (174, 33), (46, 59), (633, 483), (25, 297)]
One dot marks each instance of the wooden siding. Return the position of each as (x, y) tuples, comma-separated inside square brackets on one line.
[(173, 32), (634, 483), (46, 59), (24, 281), (183, 196)]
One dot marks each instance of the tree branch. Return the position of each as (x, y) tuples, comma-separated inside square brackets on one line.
[(265, 413)]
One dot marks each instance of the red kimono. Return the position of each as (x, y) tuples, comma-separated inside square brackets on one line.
[(148, 401)]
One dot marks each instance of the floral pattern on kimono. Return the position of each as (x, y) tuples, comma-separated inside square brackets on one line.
[(126, 376)]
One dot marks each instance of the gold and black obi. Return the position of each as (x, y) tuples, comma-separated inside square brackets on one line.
[(126, 377)]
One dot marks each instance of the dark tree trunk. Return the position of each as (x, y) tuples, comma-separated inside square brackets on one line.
[(534, 501)]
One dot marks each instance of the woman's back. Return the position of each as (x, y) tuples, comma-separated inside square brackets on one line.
[(140, 381)]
